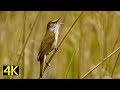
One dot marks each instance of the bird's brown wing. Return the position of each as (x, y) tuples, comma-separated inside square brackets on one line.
[(46, 44)]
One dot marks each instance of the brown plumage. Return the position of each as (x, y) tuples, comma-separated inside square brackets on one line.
[(49, 42), (46, 47)]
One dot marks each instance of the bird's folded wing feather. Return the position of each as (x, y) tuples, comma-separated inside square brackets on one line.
[(46, 44)]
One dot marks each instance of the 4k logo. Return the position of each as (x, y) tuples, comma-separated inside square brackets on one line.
[(10, 70)]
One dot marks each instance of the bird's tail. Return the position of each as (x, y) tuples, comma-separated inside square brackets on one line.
[(41, 58), (42, 61), (41, 67)]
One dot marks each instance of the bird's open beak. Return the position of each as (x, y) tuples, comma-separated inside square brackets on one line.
[(57, 21)]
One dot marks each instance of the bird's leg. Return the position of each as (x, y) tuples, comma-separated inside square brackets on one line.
[(56, 49), (46, 62), (48, 53)]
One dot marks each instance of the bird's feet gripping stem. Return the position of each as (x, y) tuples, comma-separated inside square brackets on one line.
[(56, 49), (48, 64)]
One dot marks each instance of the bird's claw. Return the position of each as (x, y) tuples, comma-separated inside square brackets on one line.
[(56, 49), (48, 64)]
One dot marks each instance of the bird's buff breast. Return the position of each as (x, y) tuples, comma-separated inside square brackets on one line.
[(56, 38), (56, 32)]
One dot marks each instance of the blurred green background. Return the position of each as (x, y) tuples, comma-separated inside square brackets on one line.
[(94, 36)]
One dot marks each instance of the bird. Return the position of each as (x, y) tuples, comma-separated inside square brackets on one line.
[(49, 42)]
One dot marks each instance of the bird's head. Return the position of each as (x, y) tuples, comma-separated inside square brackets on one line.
[(54, 25)]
